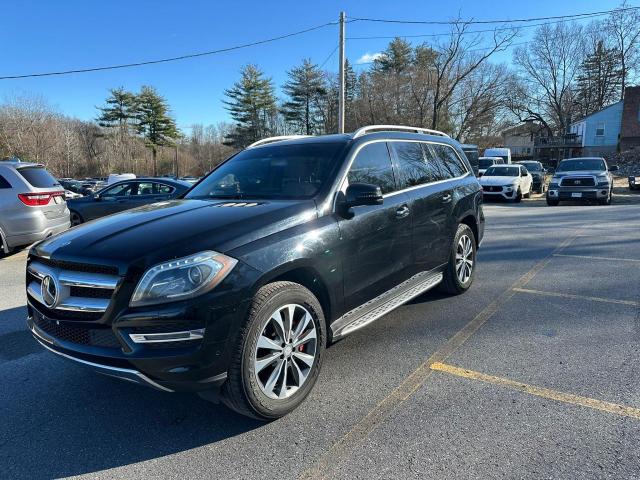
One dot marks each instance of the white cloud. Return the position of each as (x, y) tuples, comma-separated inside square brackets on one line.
[(368, 57)]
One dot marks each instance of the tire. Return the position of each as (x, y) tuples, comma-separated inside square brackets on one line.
[(518, 197), (248, 390), (607, 200), (528, 194), (552, 203), (452, 283), (76, 218)]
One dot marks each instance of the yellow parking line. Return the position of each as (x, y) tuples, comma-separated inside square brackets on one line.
[(578, 297), (540, 391), (592, 257), (321, 468)]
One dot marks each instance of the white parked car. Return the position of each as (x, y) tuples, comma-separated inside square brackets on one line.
[(511, 182)]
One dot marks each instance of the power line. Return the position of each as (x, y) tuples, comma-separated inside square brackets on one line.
[(329, 56), (470, 22), (171, 59), (445, 34)]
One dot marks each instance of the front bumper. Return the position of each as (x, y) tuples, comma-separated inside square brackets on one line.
[(577, 193), (499, 194)]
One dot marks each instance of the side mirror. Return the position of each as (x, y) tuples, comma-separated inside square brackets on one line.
[(613, 168), (363, 194), (96, 196)]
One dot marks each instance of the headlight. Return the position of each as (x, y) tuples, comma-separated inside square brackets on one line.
[(182, 278)]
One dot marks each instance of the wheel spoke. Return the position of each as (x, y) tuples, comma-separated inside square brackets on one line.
[(310, 335), (308, 359), (288, 322), (280, 328), (268, 344), (299, 375), (302, 326), (273, 378), (266, 361), (283, 386)]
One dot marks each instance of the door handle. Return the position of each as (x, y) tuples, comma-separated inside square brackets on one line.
[(402, 211), (446, 198)]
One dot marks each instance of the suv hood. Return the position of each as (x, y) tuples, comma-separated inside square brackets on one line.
[(172, 229), (484, 180), (580, 173)]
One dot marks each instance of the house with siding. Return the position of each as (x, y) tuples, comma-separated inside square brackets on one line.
[(599, 132)]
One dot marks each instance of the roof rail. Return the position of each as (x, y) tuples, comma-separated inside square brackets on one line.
[(264, 141), (401, 128)]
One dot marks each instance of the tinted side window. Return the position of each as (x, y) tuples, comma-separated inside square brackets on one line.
[(145, 188), (373, 165), (413, 165), (120, 190), (4, 183), (452, 163), (161, 188), (38, 177)]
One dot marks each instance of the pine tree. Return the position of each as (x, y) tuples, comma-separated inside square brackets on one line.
[(252, 105), (600, 79), (119, 109), (154, 123), (307, 92), (396, 58)]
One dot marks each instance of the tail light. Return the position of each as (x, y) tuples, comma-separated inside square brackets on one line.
[(39, 199)]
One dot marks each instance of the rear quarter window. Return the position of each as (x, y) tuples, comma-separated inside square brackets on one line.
[(452, 163), (4, 183), (38, 177)]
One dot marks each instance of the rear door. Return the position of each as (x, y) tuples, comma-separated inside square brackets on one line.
[(429, 200), (377, 239)]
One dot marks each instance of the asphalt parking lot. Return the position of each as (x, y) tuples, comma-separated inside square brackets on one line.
[(531, 374)]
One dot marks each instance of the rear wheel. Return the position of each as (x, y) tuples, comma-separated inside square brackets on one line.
[(76, 218), (278, 353), (460, 270)]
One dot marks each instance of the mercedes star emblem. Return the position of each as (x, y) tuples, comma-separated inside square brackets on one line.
[(49, 291)]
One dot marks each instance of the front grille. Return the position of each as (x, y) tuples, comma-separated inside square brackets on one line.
[(90, 292), (72, 291), (492, 188), (66, 314), (96, 337), (578, 182), (79, 267)]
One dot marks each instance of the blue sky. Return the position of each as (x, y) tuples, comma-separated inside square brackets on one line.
[(41, 36)]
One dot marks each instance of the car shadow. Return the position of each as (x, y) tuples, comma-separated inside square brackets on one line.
[(60, 419)]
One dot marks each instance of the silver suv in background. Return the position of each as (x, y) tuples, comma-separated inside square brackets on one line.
[(32, 205)]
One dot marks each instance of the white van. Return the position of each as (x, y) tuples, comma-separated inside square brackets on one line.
[(504, 153), (117, 177)]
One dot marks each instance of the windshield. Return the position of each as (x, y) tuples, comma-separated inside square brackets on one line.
[(502, 172), (532, 166), (485, 163), (275, 171), (581, 164)]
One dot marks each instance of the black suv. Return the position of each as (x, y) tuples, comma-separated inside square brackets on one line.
[(234, 290)]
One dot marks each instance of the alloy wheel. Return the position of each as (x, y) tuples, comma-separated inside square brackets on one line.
[(286, 351), (464, 259), (75, 219)]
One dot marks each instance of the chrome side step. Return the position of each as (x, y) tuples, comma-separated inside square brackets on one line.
[(384, 303)]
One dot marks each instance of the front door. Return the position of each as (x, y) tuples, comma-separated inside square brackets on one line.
[(377, 238)]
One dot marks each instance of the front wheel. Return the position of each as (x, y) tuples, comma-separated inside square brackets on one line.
[(458, 276), (278, 354), (518, 197), (75, 218), (607, 199)]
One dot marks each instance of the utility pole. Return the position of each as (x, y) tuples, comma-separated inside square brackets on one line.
[(341, 95)]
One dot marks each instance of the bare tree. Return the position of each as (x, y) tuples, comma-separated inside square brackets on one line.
[(549, 66), (623, 25)]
